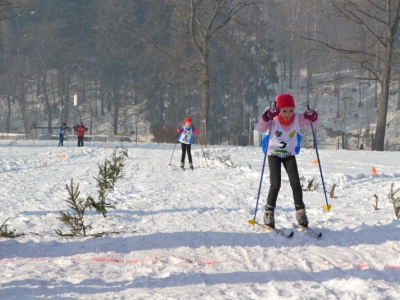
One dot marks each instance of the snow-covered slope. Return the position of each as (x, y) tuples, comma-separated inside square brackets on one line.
[(185, 235)]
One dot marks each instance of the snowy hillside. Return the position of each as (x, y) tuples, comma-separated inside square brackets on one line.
[(185, 235)]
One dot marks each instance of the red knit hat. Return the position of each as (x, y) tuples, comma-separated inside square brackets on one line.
[(285, 100), (188, 120)]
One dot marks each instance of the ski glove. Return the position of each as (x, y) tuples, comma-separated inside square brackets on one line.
[(311, 115), (270, 113), (179, 130)]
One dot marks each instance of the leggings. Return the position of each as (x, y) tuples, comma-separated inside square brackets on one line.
[(290, 165), (80, 141), (186, 148), (60, 140)]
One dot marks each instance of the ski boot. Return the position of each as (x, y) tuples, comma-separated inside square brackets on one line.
[(301, 217), (183, 166), (269, 218), (191, 166)]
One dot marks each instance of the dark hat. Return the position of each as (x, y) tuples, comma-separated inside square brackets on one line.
[(64, 123)]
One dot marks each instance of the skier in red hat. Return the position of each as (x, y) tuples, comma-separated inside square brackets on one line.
[(284, 142), (186, 139)]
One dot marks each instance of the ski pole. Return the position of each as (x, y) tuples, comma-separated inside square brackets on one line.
[(253, 221), (327, 207), (176, 141)]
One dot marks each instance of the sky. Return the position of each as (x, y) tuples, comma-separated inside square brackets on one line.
[(185, 234)]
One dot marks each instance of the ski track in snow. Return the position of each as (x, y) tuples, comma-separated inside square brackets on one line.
[(184, 234)]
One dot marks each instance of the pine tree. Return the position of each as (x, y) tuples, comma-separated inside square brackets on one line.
[(9, 234), (75, 223), (109, 173)]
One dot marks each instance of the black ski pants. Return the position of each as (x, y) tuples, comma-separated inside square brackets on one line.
[(80, 141), (186, 148), (290, 165)]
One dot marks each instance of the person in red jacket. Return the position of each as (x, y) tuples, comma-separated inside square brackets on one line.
[(80, 133)]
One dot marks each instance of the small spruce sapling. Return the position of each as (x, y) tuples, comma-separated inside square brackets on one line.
[(311, 186), (224, 159), (376, 202), (109, 173), (9, 234), (332, 192), (75, 223), (395, 201)]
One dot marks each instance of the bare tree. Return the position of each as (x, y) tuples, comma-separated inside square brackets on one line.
[(8, 10), (41, 38), (204, 19), (22, 91), (379, 20)]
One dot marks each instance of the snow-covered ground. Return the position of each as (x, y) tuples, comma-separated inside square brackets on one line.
[(185, 235)]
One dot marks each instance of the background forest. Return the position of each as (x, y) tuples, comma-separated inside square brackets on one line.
[(141, 66)]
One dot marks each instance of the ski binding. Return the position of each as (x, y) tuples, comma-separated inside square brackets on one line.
[(310, 232), (278, 231)]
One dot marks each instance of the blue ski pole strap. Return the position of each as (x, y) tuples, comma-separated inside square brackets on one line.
[(265, 142), (298, 147)]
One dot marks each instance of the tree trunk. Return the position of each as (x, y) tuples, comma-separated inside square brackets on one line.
[(48, 106), (8, 117), (379, 140), (309, 79), (337, 81), (22, 95), (116, 109), (398, 94), (290, 84), (205, 100), (101, 99), (67, 93)]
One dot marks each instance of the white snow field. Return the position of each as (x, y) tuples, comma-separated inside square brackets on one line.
[(185, 235)]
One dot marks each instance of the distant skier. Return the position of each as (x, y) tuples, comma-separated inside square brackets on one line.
[(80, 133), (61, 132), (186, 139), (284, 143)]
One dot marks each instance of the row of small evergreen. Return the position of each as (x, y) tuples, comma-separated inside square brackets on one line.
[(109, 173)]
